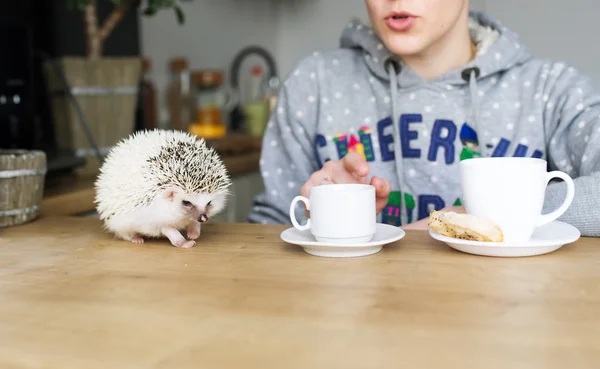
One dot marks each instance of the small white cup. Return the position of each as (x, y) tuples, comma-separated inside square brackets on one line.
[(510, 192), (339, 213)]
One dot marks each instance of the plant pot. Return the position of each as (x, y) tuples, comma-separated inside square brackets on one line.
[(106, 90), (22, 175)]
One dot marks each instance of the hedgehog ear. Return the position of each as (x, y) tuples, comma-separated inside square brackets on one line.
[(169, 193)]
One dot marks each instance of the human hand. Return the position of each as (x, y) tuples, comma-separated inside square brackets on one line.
[(353, 168), (423, 224)]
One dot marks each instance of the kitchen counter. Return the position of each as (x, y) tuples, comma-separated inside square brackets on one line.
[(74, 297), (72, 195)]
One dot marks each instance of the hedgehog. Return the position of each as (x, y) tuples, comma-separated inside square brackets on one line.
[(158, 183)]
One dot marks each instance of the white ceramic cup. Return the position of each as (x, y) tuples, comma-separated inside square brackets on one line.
[(510, 192), (339, 213)]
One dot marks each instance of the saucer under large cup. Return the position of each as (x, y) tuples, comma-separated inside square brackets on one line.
[(384, 234), (545, 239)]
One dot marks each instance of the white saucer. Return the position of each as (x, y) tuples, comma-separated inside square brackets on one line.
[(384, 234), (545, 239)]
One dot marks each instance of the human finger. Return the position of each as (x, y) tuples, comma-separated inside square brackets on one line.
[(382, 192), (313, 180), (356, 164), (332, 172), (382, 187), (336, 172)]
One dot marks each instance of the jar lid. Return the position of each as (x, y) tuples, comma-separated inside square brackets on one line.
[(207, 78), (146, 64), (178, 64)]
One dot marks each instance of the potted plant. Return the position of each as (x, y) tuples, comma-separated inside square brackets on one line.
[(105, 88)]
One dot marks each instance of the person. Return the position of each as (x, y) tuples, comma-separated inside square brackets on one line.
[(401, 102)]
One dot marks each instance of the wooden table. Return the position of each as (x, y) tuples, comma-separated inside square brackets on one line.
[(73, 297)]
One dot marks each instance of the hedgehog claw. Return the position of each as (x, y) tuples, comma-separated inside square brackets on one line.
[(187, 245)]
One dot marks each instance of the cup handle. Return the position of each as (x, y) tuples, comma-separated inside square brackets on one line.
[(297, 225), (545, 219)]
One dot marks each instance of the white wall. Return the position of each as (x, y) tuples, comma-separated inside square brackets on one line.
[(560, 30), (306, 26), (214, 31)]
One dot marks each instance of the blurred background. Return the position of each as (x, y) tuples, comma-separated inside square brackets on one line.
[(216, 75)]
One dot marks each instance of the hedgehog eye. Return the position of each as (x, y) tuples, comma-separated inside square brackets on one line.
[(207, 205), (186, 203)]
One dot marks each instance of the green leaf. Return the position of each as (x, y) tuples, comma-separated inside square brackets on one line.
[(150, 10), (180, 15), (152, 6), (77, 4)]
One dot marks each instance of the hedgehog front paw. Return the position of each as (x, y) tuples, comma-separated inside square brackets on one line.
[(187, 245), (137, 239), (176, 238), (193, 230)]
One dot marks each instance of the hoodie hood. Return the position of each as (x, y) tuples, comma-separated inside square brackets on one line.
[(498, 49)]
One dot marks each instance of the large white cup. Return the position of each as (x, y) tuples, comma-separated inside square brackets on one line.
[(510, 192), (339, 213)]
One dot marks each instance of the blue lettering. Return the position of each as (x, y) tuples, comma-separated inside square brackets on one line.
[(520, 151), (446, 142), (406, 135), (428, 203), (320, 141), (501, 148), (387, 153)]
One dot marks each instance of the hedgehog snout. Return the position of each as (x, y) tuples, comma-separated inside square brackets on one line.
[(203, 218)]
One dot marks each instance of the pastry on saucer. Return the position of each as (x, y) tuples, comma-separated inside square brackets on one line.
[(464, 226)]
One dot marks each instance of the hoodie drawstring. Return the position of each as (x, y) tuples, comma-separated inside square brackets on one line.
[(470, 75), (393, 68)]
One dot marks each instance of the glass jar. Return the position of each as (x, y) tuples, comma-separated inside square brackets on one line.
[(179, 97), (213, 101)]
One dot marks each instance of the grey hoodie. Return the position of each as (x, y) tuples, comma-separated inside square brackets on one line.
[(503, 103)]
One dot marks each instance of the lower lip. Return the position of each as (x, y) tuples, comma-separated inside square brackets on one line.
[(401, 24)]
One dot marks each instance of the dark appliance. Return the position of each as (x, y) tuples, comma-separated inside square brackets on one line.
[(33, 31)]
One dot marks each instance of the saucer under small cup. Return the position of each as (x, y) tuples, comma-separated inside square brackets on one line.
[(384, 234), (545, 239)]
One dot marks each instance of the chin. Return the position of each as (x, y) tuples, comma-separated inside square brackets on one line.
[(404, 45)]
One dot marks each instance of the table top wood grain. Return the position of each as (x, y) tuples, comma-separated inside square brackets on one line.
[(72, 296)]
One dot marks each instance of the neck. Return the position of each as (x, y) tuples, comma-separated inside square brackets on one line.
[(450, 52)]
